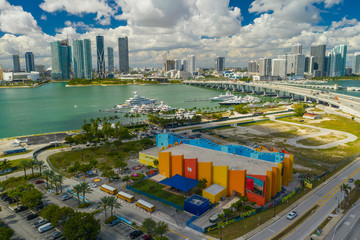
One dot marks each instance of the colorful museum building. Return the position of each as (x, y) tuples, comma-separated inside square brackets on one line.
[(258, 174)]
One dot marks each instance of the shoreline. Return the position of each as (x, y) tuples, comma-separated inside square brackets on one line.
[(9, 87), (38, 134), (109, 85)]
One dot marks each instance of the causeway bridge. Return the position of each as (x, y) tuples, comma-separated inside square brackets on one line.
[(346, 103)]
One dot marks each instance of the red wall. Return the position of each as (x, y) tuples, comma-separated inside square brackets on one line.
[(260, 200), (190, 168)]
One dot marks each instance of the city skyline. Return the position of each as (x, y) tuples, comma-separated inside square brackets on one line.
[(238, 31)]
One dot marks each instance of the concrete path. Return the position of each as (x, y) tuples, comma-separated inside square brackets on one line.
[(322, 131)]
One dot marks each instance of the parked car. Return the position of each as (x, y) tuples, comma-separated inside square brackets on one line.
[(65, 197), (93, 185), (351, 180), (291, 215), (214, 218), (56, 235), (39, 181), (31, 216), (147, 237), (39, 223), (114, 222), (20, 209), (135, 234)]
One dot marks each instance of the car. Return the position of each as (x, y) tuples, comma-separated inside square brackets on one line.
[(135, 234), (65, 197), (291, 215), (56, 235), (93, 185), (31, 216), (39, 223), (20, 209), (147, 237), (214, 218), (351, 180), (39, 181), (114, 222)]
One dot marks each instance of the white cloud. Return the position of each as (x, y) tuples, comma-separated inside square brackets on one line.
[(330, 3), (43, 17), (79, 7)]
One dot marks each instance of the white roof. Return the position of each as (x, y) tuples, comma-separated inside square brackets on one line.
[(146, 204), (108, 187), (214, 189), (125, 194)]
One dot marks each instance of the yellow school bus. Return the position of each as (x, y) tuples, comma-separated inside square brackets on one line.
[(145, 205), (108, 189), (126, 197)]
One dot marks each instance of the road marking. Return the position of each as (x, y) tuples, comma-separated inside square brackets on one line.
[(352, 215), (320, 202), (347, 223), (178, 234)]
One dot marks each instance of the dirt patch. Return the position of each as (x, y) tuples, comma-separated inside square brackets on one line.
[(322, 139)]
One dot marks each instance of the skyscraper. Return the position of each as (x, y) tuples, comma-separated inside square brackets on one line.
[(279, 68), (253, 66), (342, 49), (87, 58), (16, 61), (177, 64), (265, 67), (192, 64), (318, 52), (184, 65), (61, 59), (296, 49), (220, 64), (110, 51), (30, 64), (123, 55), (100, 56), (335, 60), (78, 54), (356, 63)]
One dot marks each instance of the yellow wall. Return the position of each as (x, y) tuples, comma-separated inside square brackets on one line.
[(274, 181), (268, 186), (177, 165), (205, 171), (165, 164), (279, 177), (286, 171), (291, 168), (220, 175), (214, 198), (147, 159)]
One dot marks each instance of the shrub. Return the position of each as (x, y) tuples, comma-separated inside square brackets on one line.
[(110, 219)]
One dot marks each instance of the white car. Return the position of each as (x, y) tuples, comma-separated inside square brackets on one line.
[(291, 215), (93, 185)]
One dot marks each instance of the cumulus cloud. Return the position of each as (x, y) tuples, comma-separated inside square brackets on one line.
[(78, 7), (43, 17)]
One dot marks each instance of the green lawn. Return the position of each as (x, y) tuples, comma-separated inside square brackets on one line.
[(155, 189), (15, 154)]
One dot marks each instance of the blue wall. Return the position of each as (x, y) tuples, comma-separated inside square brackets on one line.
[(166, 139), (196, 209)]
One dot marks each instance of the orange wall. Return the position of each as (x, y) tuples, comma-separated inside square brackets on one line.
[(274, 181), (279, 177), (177, 165), (291, 167), (205, 171), (268, 186), (237, 182), (165, 164), (286, 171)]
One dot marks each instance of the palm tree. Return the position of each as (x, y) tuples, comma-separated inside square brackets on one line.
[(58, 180), (161, 228), (51, 177), (85, 188), (32, 165), (104, 202), (78, 189), (357, 184), (112, 203), (345, 188), (40, 165), (47, 174), (24, 164), (5, 165)]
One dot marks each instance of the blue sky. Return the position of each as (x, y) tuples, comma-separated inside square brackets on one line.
[(237, 29)]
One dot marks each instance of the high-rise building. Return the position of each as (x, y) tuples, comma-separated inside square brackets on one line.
[(61, 59), (170, 65), (265, 67), (192, 64), (30, 64), (184, 65), (279, 68), (16, 61), (100, 56), (253, 66), (335, 60), (342, 49), (220, 64), (318, 52), (123, 55), (78, 55), (296, 49), (177, 64), (87, 58), (110, 51), (356, 63)]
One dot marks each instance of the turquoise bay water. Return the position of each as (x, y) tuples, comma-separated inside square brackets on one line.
[(51, 108)]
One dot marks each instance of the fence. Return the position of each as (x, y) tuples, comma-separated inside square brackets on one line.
[(190, 224), (155, 198)]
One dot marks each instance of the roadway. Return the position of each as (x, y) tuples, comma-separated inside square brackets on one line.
[(327, 198)]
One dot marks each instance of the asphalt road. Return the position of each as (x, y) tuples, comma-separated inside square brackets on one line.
[(326, 197), (348, 228)]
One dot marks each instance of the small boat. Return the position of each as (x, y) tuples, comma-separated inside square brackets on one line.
[(75, 106)]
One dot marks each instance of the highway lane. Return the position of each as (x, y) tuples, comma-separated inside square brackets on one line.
[(326, 197)]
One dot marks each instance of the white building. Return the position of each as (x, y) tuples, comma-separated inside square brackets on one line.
[(184, 65), (178, 74), (177, 64), (19, 76), (356, 63), (192, 64), (279, 67), (265, 67)]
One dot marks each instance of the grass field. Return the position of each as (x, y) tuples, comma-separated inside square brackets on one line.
[(320, 140), (14, 154), (155, 189)]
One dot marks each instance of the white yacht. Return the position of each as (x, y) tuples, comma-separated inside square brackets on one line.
[(240, 100), (136, 100), (228, 95)]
